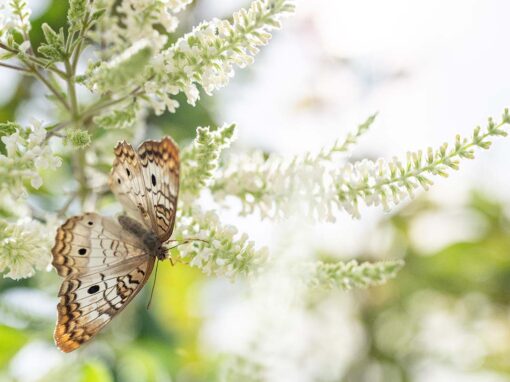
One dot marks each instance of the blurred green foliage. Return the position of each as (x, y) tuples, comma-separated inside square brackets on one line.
[(469, 276)]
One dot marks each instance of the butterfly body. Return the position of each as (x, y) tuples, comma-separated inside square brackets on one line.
[(105, 262), (151, 241)]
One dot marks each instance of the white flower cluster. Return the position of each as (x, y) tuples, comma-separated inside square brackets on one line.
[(371, 182), (388, 183), (133, 20), (349, 275), (24, 248), (219, 250), (27, 153), (208, 54), (276, 188), (201, 158), (316, 187), (122, 70), (14, 15)]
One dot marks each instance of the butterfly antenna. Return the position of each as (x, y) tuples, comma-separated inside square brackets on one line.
[(185, 241), (153, 284)]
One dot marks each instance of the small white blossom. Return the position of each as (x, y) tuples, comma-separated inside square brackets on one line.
[(27, 154), (208, 54), (24, 248), (177, 5), (320, 188), (221, 250), (14, 15), (201, 158), (130, 21)]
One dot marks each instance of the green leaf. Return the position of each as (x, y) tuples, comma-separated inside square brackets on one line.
[(54, 48), (118, 119), (76, 14), (11, 340), (123, 69), (98, 14), (95, 371)]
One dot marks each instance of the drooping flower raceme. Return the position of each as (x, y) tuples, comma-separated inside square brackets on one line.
[(206, 57), (129, 21), (348, 275), (275, 187), (27, 152), (25, 248), (321, 188), (201, 159), (387, 183), (219, 249)]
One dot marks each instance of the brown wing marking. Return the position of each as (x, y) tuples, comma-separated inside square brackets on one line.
[(98, 283), (160, 159)]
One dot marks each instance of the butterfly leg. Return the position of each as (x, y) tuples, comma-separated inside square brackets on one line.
[(181, 242), (185, 241)]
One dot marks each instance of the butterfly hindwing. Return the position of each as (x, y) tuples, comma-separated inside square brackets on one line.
[(104, 267), (146, 182)]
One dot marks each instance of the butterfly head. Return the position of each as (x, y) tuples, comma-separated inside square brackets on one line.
[(162, 253)]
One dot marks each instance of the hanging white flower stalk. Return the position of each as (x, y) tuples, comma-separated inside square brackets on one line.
[(348, 275), (207, 56), (275, 187), (387, 183), (220, 249), (201, 159), (320, 187)]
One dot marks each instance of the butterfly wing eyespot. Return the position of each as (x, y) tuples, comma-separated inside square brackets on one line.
[(100, 281), (146, 182), (127, 183), (161, 164)]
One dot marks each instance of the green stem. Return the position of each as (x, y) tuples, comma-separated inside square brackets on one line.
[(94, 109), (71, 87), (62, 100), (79, 160), (80, 163), (77, 51), (35, 60), (18, 68)]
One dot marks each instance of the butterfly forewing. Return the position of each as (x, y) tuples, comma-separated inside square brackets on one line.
[(127, 183), (146, 182), (160, 161), (104, 267)]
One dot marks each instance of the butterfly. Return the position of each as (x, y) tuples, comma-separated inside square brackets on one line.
[(107, 261)]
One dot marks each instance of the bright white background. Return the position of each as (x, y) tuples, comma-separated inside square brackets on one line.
[(431, 69)]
